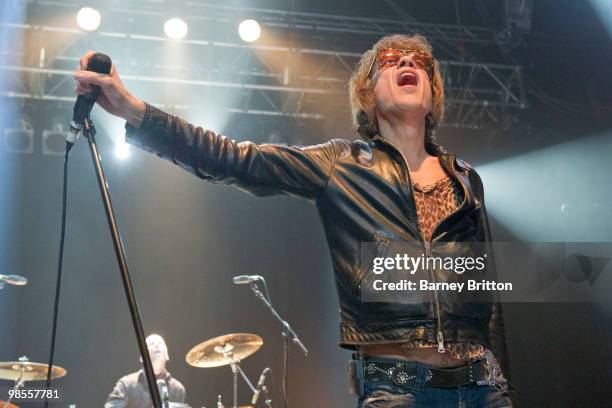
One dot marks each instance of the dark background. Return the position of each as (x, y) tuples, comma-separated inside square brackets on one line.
[(546, 172)]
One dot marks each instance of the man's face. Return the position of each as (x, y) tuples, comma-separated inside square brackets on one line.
[(402, 88), (158, 352)]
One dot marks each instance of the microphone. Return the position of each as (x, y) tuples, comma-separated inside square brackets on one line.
[(260, 386), (100, 63), (246, 279), (162, 385), (13, 280)]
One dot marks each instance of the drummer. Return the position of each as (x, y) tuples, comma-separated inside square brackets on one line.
[(132, 391)]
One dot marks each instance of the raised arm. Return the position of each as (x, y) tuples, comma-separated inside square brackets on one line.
[(259, 169)]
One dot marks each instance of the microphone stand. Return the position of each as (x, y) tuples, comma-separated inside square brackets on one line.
[(287, 332), (89, 131)]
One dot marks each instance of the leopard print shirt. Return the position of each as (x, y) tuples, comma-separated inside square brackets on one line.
[(433, 203)]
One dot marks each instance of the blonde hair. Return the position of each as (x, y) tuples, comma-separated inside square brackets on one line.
[(361, 88)]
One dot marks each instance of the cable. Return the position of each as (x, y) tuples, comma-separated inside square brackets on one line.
[(285, 364), (59, 274), (272, 390)]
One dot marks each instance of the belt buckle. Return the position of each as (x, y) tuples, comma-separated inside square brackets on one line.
[(492, 368)]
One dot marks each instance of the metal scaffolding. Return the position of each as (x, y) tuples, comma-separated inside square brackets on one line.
[(299, 74)]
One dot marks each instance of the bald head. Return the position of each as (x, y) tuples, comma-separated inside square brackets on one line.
[(157, 347)]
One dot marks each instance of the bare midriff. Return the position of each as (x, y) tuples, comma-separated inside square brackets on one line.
[(425, 355), (433, 202)]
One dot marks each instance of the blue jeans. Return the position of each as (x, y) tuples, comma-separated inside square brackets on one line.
[(386, 394)]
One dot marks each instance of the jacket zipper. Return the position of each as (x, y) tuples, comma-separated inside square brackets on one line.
[(440, 335), (427, 247)]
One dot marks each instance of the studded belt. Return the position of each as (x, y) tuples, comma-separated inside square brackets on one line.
[(403, 373)]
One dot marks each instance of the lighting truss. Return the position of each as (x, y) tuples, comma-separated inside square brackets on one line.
[(310, 76)]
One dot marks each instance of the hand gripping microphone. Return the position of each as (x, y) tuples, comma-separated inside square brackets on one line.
[(260, 386), (100, 63)]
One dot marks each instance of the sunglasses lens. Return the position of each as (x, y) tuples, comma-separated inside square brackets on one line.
[(390, 58)]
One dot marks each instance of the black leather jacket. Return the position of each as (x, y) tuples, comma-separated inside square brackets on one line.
[(363, 194)]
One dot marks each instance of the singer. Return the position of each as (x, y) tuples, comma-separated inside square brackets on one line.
[(131, 390), (397, 184)]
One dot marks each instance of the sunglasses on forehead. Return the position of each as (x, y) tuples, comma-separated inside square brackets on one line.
[(391, 57)]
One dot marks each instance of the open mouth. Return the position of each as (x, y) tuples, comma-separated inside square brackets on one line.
[(407, 78)]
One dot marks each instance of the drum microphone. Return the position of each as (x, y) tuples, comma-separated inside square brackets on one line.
[(162, 385), (13, 280), (260, 386), (246, 279), (100, 63)]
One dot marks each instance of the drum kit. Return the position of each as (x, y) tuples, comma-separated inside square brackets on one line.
[(231, 349), (23, 371), (227, 350)]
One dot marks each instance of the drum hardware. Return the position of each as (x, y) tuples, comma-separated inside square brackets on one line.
[(229, 349), (223, 350), (220, 404), (23, 371)]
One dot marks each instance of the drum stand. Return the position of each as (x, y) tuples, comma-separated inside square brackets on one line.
[(228, 353), (19, 382)]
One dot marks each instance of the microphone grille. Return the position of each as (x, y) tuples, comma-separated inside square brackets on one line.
[(100, 63)]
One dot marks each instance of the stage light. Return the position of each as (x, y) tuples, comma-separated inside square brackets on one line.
[(175, 28), (54, 141), (249, 30), (122, 150), (88, 19), (20, 138)]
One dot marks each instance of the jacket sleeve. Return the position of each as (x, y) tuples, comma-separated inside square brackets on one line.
[(259, 169), (497, 332)]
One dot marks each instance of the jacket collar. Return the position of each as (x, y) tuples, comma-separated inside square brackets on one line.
[(142, 378), (457, 168)]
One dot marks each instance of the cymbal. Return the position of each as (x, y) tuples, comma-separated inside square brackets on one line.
[(8, 406), (223, 350), (13, 280), (12, 370)]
